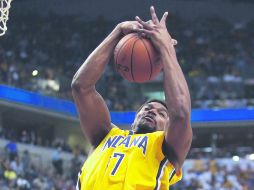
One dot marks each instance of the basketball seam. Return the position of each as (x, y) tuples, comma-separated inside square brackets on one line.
[(151, 65), (131, 59), (116, 60)]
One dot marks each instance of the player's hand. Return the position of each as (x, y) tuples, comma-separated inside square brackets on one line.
[(129, 27), (156, 30)]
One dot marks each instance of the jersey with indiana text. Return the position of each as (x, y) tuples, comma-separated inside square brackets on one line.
[(127, 161)]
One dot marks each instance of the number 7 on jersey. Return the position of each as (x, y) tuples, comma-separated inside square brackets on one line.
[(120, 157)]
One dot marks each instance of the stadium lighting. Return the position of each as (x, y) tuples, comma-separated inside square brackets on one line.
[(208, 149), (235, 158), (251, 156), (35, 73)]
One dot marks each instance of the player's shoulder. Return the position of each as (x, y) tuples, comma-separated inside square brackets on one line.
[(115, 130), (156, 134), (112, 134)]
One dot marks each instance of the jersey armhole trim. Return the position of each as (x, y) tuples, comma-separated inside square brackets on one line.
[(160, 172), (171, 175), (169, 152)]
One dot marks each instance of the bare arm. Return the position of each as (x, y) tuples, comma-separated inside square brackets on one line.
[(93, 112), (178, 135)]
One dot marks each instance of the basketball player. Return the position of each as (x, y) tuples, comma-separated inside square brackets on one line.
[(149, 156)]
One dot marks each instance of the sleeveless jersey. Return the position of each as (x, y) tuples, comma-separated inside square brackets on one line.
[(126, 161)]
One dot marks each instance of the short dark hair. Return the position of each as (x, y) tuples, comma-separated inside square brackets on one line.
[(153, 100)]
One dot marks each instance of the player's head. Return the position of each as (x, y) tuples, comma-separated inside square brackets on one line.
[(151, 116)]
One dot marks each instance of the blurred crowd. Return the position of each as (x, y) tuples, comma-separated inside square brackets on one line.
[(35, 137), (231, 169), (215, 174), (42, 54), (19, 172)]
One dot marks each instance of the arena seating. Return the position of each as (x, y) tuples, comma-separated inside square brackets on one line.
[(41, 53), (215, 55)]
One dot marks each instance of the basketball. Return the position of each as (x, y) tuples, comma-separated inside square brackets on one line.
[(136, 59)]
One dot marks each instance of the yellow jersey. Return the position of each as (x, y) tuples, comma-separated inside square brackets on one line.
[(127, 161)]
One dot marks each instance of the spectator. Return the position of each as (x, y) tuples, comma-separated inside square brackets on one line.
[(57, 161), (17, 166), (9, 174), (227, 185), (23, 184), (12, 149), (25, 160), (76, 164)]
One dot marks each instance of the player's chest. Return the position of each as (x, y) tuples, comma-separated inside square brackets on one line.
[(138, 145)]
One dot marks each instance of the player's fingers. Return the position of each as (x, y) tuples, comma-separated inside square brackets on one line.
[(145, 32), (143, 23), (154, 16), (143, 35), (136, 26), (164, 18), (149, 22), (174, 42)]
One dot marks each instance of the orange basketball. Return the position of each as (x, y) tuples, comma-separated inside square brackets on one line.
[(136, 59)]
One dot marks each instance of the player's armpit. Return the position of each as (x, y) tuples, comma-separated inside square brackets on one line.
[(169, 152), (93, 113), (177, 143)]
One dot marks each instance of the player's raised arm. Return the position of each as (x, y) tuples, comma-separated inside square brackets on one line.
[(93, 112), (178, 136)]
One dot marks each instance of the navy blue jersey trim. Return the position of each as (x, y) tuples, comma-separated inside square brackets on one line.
[(172, 175), (159, 172)]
